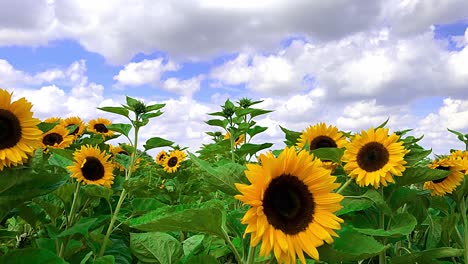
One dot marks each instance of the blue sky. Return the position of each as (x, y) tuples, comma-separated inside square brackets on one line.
[(351, 64)]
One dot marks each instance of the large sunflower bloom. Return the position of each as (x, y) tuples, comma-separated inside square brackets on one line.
[(99, 126), (91, 166), (172, 162), (162, 155), (373, 157), (19, 135), (74, 121), (292, 205), (321, 136), (445, 185), (57, 137), (239, 140)]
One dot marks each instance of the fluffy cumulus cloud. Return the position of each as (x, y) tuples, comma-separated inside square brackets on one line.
[(144, 72)]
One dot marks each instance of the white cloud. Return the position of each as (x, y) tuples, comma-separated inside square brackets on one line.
[(184, 87), (144, 72)]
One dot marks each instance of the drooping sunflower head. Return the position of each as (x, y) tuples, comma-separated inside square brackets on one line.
[(373, 157), (292, 205), (239, 140), (448, 184), (91, 166), (19, 135), (120, 150), (173, 160), (76, 122), (57, 137), (99, 126), (162, 155), (321, 136)]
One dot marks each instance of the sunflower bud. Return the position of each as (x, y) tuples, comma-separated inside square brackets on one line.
[(140, 108), (245, 102)]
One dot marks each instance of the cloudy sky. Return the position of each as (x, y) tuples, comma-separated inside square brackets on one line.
[(352, 64)]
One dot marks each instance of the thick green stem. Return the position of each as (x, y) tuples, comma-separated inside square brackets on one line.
[(382, 226), (251, 256), (70, 219), (123, 194), (232, 247), (344, 185), (465, 228)]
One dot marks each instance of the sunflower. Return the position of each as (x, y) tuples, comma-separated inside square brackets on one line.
[(52, 120), (373, 156), (19, 135), (445, 185), (74, 121), (239, 140), (173, 160), (120, 150), (321, 136), (92, 166), (462, 157), (99, 126), (292, 205), (57, 137), (162, 155)]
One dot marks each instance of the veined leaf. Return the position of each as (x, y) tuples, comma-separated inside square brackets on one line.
[(419, 175), (115, 109), (333, 154), (155, 247), (401, 225), (31, 255), (120, 128), (427, 256), (157, 142)]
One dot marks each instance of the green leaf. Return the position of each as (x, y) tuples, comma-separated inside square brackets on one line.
[(60, 161), (65, 192), (223, 177), (354, 203), (350, 246), (404, 195), (333, 154), (217, 122), (154, 107), (460, 136), (427, 256), (145, 204), (256, 130), (209, 219), (120, 128), (377, 198), (98, 191), (151, 115), (252, 149), (64, 153), (416, 155), (193, 244), (18, 185), (291, 136), (116, 110), (155, 247), (81, 227), (205, 259), (401, 225), (253, 112), (131, 101), (434, 234), (383, 124), (31, 255), (419, 175), (105, 260), (217, 114), (157, 142), (120, 251)]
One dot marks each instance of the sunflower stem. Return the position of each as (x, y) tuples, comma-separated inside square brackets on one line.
[(70, 219), (112, 222), (344, 185), (232, 247), (251, 255), (382, 226), (465, 227)]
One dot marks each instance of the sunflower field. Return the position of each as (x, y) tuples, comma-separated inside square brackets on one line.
[(67, 195)]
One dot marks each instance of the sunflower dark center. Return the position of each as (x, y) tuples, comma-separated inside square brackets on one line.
[(52, 139), (101, 128), (76, 129), (10, 129), (288, 204), (172, 162), (441, 168), (93, 169), (372, 156), (161, 157), (322, 142)]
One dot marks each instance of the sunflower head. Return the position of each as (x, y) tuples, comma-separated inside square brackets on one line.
[(292, 205), (448, 184), (57, 137), (373, 157), (99, 126), (91, 166), (121, 150), (162, 155), (19, 135), (462, 157), (239, 140), (321, 136), (76, 122), (173, 160), (52, 120)]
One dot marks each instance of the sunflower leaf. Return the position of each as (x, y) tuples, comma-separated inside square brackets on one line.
[(217, 122), (120, 128), (157, 142), (256, 130), (81, 227), (132, 102), (105, 260), (154, 107), (383, 124), (97, 191), (31, 255), (400, 225), (427, 256), (115, 110), (419, 175), (252, 149), (291, 136), (333, 154), (354, 203), (155, 247), (151, 115)]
